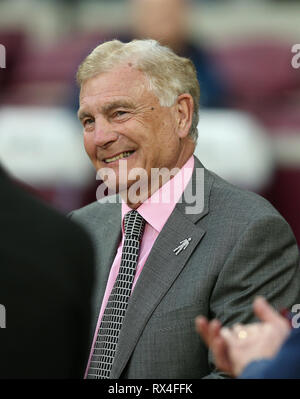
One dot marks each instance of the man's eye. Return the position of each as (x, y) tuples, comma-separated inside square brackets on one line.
[(119, 113), (87, 122)]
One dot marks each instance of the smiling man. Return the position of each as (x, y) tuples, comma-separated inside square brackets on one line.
[(161, 262), (123, 119)]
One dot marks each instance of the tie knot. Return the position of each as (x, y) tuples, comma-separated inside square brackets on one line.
[(134, 224)]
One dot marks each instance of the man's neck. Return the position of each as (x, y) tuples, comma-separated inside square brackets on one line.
[(145, 189)]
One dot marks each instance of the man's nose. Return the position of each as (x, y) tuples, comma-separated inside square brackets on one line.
[(104, 134)]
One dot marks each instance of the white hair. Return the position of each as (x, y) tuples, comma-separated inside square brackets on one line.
[(168, 74)]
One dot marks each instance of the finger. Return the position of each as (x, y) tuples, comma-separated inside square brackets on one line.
[(266, 312), (214, 328), (230, 336), (243, 330), (220, 351), (210, 332), (226, 333), (237, 327), (202, 328)]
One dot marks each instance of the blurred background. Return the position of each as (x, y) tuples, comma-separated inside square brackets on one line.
[(249, 129)]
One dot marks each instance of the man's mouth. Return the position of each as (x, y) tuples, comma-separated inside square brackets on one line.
[(124, 154)]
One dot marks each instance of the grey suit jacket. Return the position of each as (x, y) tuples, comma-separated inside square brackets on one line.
[(240, 247)]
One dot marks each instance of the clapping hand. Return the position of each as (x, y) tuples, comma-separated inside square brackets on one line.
[(233, 348)]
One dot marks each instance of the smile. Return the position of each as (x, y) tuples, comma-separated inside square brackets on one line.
[(125, 154)]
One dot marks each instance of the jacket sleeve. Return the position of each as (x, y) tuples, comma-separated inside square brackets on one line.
[(286, 364)]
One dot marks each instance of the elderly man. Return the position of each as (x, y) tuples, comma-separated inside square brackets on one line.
[(177, 241)]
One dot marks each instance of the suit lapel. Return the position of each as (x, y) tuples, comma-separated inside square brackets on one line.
[(106, 252), (160, 271)]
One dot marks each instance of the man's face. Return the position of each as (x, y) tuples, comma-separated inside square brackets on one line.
[(122, 117)]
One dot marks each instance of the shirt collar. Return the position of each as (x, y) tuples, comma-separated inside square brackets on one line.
[(157, 209)]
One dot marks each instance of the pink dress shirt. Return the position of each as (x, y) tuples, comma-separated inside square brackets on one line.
[(156, 211)]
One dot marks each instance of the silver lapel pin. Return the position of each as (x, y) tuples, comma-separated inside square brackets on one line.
[(183, 244)]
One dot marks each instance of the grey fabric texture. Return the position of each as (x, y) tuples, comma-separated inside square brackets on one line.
[(240, 247)]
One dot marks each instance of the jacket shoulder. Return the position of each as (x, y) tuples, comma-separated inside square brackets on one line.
[(242, 204), (97, 210)]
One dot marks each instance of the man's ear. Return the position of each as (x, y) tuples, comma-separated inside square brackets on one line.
[(184, 114)]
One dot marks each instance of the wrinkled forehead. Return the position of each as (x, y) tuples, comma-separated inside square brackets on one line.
[(124, 85)]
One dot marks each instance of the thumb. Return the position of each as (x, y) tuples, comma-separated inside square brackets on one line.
[(265, 312)]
